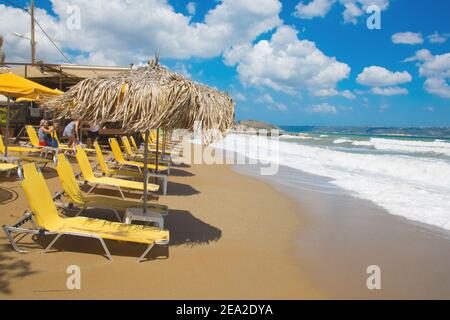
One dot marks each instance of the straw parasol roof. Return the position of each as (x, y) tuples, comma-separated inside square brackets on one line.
[(148, 97)]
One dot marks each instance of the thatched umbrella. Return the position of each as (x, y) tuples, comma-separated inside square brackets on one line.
[(146, 98)]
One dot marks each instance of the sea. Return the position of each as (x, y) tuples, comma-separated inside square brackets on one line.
[(408, 176)]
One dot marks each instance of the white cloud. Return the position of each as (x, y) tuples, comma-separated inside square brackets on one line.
[(109, 33), (353, 8), (326, 93), (285, 63), (271, 103), (356, 8), (313, 9), (325, 108), (420, 55), (407, 38), (352, 12), (333, 92), (183, 69), (436, 70), (348, 94), (379, 77), (438, 38), (191, 8), (239, 96), (389, 91), (438, 86)]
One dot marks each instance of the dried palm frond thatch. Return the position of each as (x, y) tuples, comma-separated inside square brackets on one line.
[(148, 97)]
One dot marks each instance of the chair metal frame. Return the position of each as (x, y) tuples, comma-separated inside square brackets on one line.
[(35, 230)]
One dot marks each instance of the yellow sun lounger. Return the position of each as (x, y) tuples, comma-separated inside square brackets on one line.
[(90, 178), (20, 156), (34, 140), (76, 197), (120, 159), (126, 173), (152, 144), (16, 149), (134, 144), (139, 157), (129, 150), (45, 220), (7, 167)]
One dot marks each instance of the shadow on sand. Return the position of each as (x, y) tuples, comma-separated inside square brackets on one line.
[(11, 268), (7, 195), (176, 172), (173, 189), (185, 229)]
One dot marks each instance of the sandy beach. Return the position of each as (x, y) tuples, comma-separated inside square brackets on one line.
[(341, 236), (232, 237), (235, 235)]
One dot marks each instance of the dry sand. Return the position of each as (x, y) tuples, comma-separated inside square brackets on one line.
[(232, 237)]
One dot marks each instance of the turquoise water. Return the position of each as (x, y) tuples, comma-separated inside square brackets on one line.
[(427, 134)]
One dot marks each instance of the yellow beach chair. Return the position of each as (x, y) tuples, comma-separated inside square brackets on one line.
[(129, 150), (20, 156), (76, 197), (120, 159), (91, 179), (152, 144), (134, 145), (114, 172), (126, 173), (137, 156), (20, 150), (45, 220), (7, 167), (34, 141), (65, 146)]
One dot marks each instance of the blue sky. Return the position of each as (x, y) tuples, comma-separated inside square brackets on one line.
[(412, 93)]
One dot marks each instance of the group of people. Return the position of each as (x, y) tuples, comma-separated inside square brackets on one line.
[(71, 132)]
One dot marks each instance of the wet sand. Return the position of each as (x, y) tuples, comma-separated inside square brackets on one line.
[(232, 237), (341, 236)]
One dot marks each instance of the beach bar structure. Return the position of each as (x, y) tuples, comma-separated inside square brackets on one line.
[(59, 76)]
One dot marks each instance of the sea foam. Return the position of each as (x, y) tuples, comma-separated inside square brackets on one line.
[(416, 188)]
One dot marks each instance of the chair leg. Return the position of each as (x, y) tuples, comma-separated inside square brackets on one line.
[(80, 211), (142, 257), (92, 188), (53, 242), (117, 214), (121, 193), (11, 240), (106, 249)]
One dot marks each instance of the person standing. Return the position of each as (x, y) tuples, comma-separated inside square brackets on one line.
[(93, 133), (71, 133)]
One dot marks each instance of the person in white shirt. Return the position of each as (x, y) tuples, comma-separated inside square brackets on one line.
[(93, 133)]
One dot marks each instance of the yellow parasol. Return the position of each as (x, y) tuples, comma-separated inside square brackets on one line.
[(14, 86)]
